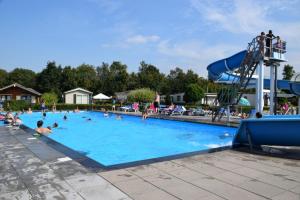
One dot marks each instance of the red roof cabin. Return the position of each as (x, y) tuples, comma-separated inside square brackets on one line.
[(19, 92)]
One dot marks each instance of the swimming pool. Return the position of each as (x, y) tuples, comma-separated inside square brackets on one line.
[(112, 142)]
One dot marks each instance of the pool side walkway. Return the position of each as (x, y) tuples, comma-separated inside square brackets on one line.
[(234, 121), (30, 169)]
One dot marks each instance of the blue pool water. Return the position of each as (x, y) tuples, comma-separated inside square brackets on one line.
[(110, 141)]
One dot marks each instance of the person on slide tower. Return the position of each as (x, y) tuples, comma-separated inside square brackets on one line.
[(269, 39)]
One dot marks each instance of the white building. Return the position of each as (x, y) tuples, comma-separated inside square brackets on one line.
[(208, 99), (78, 96)]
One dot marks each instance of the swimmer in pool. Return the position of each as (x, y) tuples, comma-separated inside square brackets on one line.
[(105, 114), (118, 117), (42, 130)]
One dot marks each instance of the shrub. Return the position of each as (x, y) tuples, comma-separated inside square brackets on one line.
[(16, 105), (141, 95), (50, 98), (193, 93)]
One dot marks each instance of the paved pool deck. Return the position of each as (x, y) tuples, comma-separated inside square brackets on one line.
[(234, 121), (30, 169)]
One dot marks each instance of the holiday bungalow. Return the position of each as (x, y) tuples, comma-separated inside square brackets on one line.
[(17, 91), (78, 96)]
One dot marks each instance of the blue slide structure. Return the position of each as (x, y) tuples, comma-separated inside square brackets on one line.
[(270, 130), (222, 71)]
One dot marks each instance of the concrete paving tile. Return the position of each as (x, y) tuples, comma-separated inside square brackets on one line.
[(183, 190), (8, 174), (135, 186), (278, 181), (44, 152), (4, 165), (34, 169), (185, 161), (177, 187), (67, 169), (225, 190), (205, 157), (46, 191), (252, 163), (39, 179), (248, 172), (287, 196), (10, 145), (222, 164), (288, 175), (260, 188), (107, 192), (296, 189), (167, 166), (25, 161), (20, 195), (143, 170), (205, 169), (117, 175), (66, 190), (286, 164), (232, 178), (154, 194), (187, 174), (11, 186), (88, 180)]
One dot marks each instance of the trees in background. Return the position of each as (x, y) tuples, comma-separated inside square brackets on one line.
[(49, 79), (143, 95), (107, 79), (193, 93), (3, 78), (50, 98), (23, 76), (149, 76), (288, 72)]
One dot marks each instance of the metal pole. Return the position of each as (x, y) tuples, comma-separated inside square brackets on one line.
[(272, 87), (260, 87), (228, 113), (275, 91)]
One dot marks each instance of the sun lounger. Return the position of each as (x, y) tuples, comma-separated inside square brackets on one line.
[(179, 110), (127, 108)]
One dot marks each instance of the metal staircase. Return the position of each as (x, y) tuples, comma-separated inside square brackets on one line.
[(231, 94)]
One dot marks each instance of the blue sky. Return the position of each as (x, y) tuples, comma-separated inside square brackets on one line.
[(171, 33)]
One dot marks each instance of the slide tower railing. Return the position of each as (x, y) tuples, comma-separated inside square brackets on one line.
[(230, 95)]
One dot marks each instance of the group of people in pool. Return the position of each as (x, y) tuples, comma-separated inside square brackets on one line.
[(11, 119), (46, 130)]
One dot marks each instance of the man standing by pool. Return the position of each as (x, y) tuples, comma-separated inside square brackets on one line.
[(156, 102), (113, 104)]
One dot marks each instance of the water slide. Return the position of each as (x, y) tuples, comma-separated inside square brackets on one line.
[(279, 130), (282, 131), (222, 71)]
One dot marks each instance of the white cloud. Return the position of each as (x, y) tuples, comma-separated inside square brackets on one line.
[(252, 17), (239, 16), (142, 39), (195, 55)]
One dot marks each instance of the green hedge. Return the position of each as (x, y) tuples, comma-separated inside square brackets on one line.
[(16, 105), (19, 105)]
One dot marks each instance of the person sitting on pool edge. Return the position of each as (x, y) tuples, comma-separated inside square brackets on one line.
[(40, 129)]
